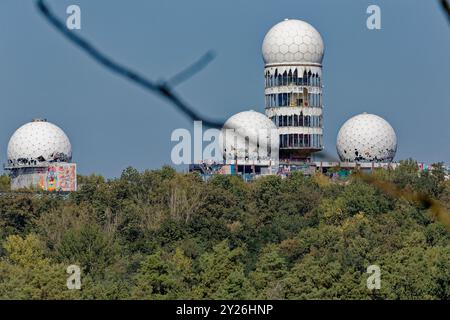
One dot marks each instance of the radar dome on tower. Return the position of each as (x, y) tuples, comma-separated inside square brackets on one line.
[(293, 41), (40, 156), (293, 52), (39, 141), (251, 131), (366, 138)]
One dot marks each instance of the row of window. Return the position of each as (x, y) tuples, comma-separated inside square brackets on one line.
[(293, 99), (298, 121), (291, 78), (301, 141)]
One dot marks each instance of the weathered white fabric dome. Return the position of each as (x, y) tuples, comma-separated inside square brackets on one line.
[(244, 137), (39, 141), (366, 138), (293, 42)]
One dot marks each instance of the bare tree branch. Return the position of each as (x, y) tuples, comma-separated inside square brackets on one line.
[(164, 89), (436, 208), (446, 7), (191, 70)]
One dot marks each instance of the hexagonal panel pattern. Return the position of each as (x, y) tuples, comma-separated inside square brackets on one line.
[(37, 139), (366, 138), (293, 41)]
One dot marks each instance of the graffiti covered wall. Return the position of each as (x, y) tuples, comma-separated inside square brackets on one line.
[(60, 177)]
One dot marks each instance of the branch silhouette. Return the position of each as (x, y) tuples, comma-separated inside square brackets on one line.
[(163, 89), (446, 7), (192, 70), (435, 207)]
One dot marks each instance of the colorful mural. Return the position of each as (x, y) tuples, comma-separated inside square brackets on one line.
[(227, 169), (61, 177)]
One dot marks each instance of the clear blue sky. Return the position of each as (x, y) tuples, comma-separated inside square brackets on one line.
[(400, 72)]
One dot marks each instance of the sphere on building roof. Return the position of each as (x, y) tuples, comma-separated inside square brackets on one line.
[(38, 141), (250, 137), (366, 138), (293, 42)]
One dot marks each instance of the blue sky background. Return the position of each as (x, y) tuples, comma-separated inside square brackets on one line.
[(400, 72)]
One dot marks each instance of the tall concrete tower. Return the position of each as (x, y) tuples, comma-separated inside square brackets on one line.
[(293, 52)]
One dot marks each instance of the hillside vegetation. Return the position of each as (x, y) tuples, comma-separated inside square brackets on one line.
[(167, 235)]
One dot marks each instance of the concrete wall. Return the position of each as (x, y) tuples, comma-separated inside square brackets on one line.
[(27, 177), (53, 177)]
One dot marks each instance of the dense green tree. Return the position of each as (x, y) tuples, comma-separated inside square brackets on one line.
[(89, 247), (160, 234), (5, 183), (271, 268), (25, 273), (217, 269), (164, 276), (417, 273)]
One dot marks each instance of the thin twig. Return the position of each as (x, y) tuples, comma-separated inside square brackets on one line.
[(191, 70), (446, 7), (436, 208), (164, 89)]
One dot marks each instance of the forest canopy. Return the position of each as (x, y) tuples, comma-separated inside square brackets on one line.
[(160, 234)]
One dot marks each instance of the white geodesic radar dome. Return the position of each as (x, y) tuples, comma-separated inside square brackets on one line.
[(39, 141), (366, 138), (245, 136), (293, 42)]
